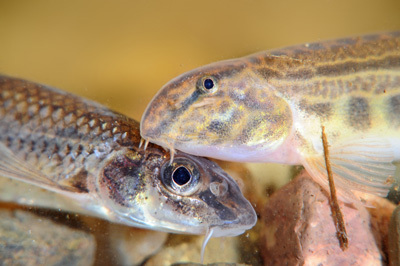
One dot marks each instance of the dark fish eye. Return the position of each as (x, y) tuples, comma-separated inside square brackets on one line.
[(181, 176), (208, 84)]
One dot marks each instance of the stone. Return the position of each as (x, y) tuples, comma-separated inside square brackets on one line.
[(299, 229), (394, 238)]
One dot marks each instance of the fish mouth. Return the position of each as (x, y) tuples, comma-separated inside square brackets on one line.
[(230, 232), (234, 228)]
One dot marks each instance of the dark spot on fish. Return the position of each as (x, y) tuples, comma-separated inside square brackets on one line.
[(18, 116), (304, 73), (42, 145), (222, 211), (267, 73), (350, 67), (358, 113), (336, 69), (70, 131), (246, 135), (9, 141), (56, 148), (67, 149), (394, 109), (250, 101), (122, 179), (218, 127), (79, 181), (323, 110), (249, 130), (32, 144)]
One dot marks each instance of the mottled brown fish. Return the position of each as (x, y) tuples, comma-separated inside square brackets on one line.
[(270, 107), (81, 149)]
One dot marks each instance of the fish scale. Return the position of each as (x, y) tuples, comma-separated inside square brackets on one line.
[(25, 128), (81, 150), (271, 106)]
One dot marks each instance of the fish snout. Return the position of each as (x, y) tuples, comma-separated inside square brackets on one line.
[(235, 212)]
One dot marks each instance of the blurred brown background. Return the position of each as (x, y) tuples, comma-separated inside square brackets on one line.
[(121, 52)]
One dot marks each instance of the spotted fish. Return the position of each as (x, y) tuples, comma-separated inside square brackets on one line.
[(271, 106), (89, 154)]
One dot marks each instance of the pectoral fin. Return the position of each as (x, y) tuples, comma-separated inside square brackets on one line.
[(13, 167), (358, 165)]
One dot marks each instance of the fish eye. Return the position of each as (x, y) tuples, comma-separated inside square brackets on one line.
[(182, 176), (207, 84)]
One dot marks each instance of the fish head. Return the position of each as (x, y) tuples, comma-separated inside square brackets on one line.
[(188, 195), (219, 110)]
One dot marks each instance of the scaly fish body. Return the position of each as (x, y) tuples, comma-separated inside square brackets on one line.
[(90, 154), (270, 107)]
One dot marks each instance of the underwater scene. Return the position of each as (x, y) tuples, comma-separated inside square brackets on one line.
[(123, 142)]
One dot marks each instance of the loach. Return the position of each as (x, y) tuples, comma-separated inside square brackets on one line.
[(88, 153), (270, 107)]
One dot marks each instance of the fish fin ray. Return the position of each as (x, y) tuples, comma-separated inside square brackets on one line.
[(13, 167), (363, 165)]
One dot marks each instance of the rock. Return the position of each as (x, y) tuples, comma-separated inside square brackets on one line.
[(299, 229), (28, 239), (380, 214), (394, 238)]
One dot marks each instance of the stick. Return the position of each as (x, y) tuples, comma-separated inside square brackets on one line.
[(336, 213)]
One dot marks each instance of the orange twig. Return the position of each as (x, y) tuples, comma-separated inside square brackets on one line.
[(336, 212)]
